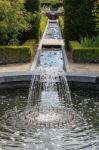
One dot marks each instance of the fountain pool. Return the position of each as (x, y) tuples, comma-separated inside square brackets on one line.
[(49, 117), (18, 131)]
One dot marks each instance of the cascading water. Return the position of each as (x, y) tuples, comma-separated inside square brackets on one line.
[(52, 86), (53, 115), (53, 112)]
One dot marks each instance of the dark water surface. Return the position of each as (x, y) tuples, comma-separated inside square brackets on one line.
[(55, 128)]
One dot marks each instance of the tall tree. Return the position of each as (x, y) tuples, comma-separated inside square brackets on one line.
[(78, 19), (32, 5), (12, 21)]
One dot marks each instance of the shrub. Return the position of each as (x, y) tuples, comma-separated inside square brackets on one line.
[(32, 44), (32, 5), (51, 3), (34, 31), (84, 54), (33, 9), (61, 24), (90, 42), (13, 20), (15, 54), (97, 18)]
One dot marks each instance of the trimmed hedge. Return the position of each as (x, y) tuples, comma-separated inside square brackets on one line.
[(32, 44), (61, 24), (82, 54), (14, 54), (43, 24)]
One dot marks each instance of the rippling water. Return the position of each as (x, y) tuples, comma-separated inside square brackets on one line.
[(45, 125), (53, 31), (51, 57)]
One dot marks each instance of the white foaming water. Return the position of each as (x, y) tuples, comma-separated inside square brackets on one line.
[(51, 85), (49, 79)]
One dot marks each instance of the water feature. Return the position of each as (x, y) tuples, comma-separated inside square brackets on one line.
[(53, 31), (51, 57), (19, 132), (48, 118)]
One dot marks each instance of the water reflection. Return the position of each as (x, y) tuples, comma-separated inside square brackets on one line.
[(19, 131), (87, 104)]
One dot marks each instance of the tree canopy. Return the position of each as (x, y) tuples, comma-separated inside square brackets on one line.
[(13, 19), (32, 5), (79, 19), (16, 17)]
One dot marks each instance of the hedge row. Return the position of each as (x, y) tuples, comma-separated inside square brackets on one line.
[(15, 54), (43, 24), (61, 24), (82, 54), (32, 44)]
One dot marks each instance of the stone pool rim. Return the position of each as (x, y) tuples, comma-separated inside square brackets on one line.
[(75, 80)]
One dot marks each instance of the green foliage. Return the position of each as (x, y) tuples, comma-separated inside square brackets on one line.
[(32, 44), (45, 8), (15, 54), (90, 42), (16, 23), (97, 22), (34, 31), (79, 19), (43, 24), (32, 5), (74, 45), (84, 54), (52, 3), (61, 23), (97, 17), (13, 19)]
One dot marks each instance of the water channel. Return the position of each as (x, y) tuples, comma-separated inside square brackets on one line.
[(49, 116)]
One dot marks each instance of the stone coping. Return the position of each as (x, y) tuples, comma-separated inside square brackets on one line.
[(27, 75), (23, 80)]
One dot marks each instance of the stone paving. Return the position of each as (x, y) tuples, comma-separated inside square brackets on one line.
[(87, 68), (15, 67), (73, 67), (51, 42)]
